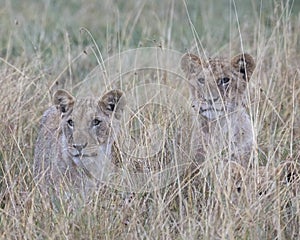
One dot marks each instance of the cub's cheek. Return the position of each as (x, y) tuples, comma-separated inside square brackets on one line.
[(101, 140), (100, 134), (68, 133)]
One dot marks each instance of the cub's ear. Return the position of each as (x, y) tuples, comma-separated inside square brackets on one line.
[(244, 63), (63, 100), (189, 62), (113, 102)]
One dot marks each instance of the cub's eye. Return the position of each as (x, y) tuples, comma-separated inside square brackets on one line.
[(70, 123), (201, 80), (96, 122), (223, 81)]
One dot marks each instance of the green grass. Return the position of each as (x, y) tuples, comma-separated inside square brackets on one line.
[(46, 45)]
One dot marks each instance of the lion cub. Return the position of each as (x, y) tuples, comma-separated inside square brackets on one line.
[(75, 139), (217, 89)]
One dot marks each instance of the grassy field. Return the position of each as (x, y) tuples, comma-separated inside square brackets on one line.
[(45, 45)]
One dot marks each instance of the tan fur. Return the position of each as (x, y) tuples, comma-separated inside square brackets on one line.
[(217, 88), (75, 140)]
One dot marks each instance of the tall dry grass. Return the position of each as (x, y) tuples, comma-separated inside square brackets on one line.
[(44, 46)]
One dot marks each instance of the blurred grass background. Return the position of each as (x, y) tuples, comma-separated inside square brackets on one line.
[(47, 42)]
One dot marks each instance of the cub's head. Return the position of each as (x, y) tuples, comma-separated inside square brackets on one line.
[(217, 86), (89, 126)]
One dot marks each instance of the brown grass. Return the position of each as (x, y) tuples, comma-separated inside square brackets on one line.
[(42, 49)]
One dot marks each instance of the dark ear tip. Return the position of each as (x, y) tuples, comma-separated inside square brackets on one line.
[(244, 63), (56, 95), (61, 93), (63, 100), (118, 93), (113, 101), (188, 60), (243, 59)]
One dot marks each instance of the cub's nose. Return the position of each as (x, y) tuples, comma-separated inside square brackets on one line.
[(79, 147)]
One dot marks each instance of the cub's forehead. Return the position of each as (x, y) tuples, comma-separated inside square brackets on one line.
[(216, 64), (215, 67), (86, 107)]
